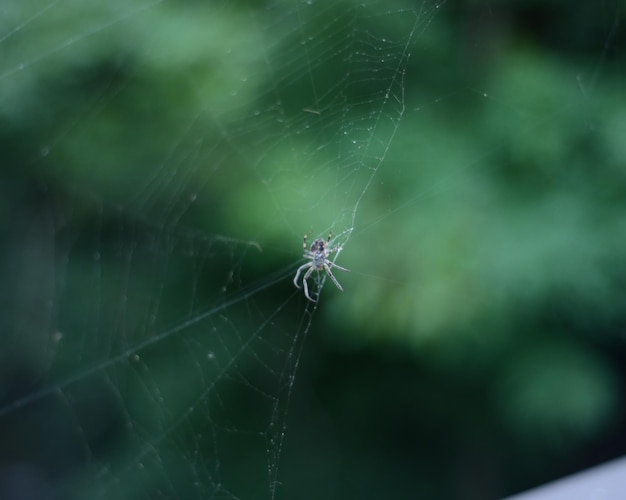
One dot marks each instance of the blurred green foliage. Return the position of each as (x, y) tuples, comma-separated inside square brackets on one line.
[(478, 348)]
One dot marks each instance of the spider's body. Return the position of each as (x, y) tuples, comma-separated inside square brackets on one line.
[(318, 261)]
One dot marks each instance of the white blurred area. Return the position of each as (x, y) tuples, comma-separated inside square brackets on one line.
[(604, 482)]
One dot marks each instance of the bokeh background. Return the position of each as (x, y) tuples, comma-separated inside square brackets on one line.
[(162, 160)]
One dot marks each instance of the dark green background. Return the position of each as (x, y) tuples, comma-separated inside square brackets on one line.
[(160, 164)]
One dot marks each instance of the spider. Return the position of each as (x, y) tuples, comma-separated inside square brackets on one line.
[(318, 255)]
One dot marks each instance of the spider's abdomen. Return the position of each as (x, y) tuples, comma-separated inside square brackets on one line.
[(318, 249), (318, 246)]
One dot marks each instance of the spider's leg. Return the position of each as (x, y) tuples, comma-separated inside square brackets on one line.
[(306, 285), (334, 249), (330, 275), (306, 292), (300, 269), (338, 267)]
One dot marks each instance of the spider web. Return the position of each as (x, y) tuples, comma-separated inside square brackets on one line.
[(156, 327), (168, 159)]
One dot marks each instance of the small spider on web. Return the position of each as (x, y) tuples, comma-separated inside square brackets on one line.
[(318, 255)]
